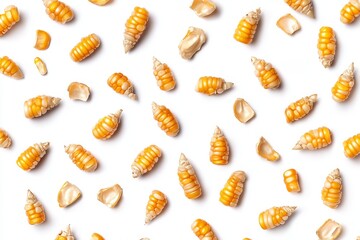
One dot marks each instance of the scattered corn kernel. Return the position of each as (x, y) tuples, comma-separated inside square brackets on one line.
[(343, 86), (121, 84), (275, 216), (38, 106), (329, 230), (267, 75), (164, 78), (302, 6), (352, 146), (43, 40), (30, 158), (9, 68), (40, 66), (166, 120), (34, 210), (85, 47), (96, 236), (9, 18), (145, 160), (100, 2), (291, 180), (65, 234), (68, 194), (233, 189), (243, 111), (82, 158), (110, 196), (212, 85), (203, 230), (5, 140), (247, 26), (314, 139), (301, 108), (332, 191), (58, 11), (288, 24), (219, 148), (192, 42), (188, 179), (203, 8), (350, 11), (265, 150), (78, 91), (157, 202), (107, 126), (326, 46)]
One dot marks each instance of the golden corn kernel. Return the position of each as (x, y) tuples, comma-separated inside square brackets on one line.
[(83, 159), (68, 194), (275, 216), (78, 91), (352, 146), (134, 27), (96, 236), (164, 78), (65, 235), (8, 19), (166, 120), (110, 196), (192, 42), (121, 84), (157, 202), (203, 230), (267, 75), (100, 2), (43, 40), (300, 108), (246, 239), (243, 111), (265, 150), (40, 66), (212, 85), (233, 189), (85, 47), (302, 6), (332, 191), (350, 11), (188, 179), (329, 230), (326, 46), (246, 28), (38, 106), (343, 86), (219, 148), (9, 68), (5, 140), (34, 210), (107, 126), (288, 24), (314, 139), (291, 180), (30, 158), (145, 160), (58, 11), (203, 8)]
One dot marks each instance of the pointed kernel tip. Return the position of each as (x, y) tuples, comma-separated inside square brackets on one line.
[(118, 113), (56, 101), (258, 11), (68, 230), (30, 195), (127, 47), (154, 105), (335, 172), (18, 75), (253, 59), (45, 145), (311, 14), (228, 85), (297, 147), (313, 97), (351, 67)]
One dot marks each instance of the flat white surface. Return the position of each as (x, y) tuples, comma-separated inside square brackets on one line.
[(296, 60)]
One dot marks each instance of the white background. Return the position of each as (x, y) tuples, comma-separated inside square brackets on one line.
[(296, 60)]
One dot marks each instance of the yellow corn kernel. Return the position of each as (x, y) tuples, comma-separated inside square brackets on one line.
[(164, 78), (107, 126), (219, 148), (314, 139), (188, 179), (38, 106), (5, 140), (266, 73), (145, 160), (203, 230), (301, 108), (30, 158), (8, 19), (40, 66), (34, 210), (212, 85), (83, 159), (246, 239), (65, 235), (96, 236), (275, 216), (100, 2), (134, 27), (43, 40), (332, 190), (350, 11), (121, 84), (352, 146), (291, 180), (166, 120), (9, 68), (302, 6), (85, 47), (343, 86), (326, 46), (58, 11), (157, 202), (233, 189), (246, 28)]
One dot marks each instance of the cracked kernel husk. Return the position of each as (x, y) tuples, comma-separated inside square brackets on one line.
[(243, 111), (288, 24), (203, 8), (265, 150), (192, 42), (329, 230), (78, 91), (110, 196), (68, 194)]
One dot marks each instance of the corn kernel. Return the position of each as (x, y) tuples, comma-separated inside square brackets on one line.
[(352, 146), (219, 148), (291, 180), (65, 234), (34, 210), (106, 126), (233, 189), (326, 46), (85, 47), (96, 236), (145, 160), (157, 202), (164, 78), (43, 40), (40, 66), (30, 158), (350, 11), (82, 158), (332, 191), (212, 85), (38, 106), (267, 75), (58, 11), (314, 139), (188, 179), (5, 140), (9, 18), (343, 86), (275, 216), (302, 6), (121, 84), (166, 120), (247, 26), (301, 108), (203, 230), (9, 68)]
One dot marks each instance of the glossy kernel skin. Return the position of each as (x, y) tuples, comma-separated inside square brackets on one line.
[(219, 148), (106, 126), (96, 236), (326, 46), (230, 194), (300, 109), (9, 68), (212, 85), (343, 86), (85, 47), (156, 203), (30, 158), (265, 72), (58, 11), (188, 179), (302, 6), (82, 158), (38, 106), (332, 191), (275, 216), (350, 11), (291, 180), (145, 160), (314, 139), (8, 19), (34, 210), (5, 140), (121, 84), (352, 146), (164, 78), (166, 120), (203, 230), (246, 29)]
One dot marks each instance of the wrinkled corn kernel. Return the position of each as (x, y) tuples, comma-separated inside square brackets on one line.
[(288, 24), (38, 106), (203, 230), (121, 84), (157, 202), (5, 140), (343, 86), (34, 210), (247, 26), (219, 148), (43, 40), (265, 150), (39, 63), (106, 126), (82, 158), (164, 78), (291, 180), (267, 75), (145, 160), (230, 194), (301, 108), (78, 91), (203, 8), (58, 11), (188, 179), (352, 146), (65, 234), (9, 18), (85, 47), (330, 230), (110, 196), (326, 46), (30, 158), (314, 139), (302, 6), (68, 194), (192, 42), (275, 216), (332, 191), (350, 11), (166, 120), (212, 85), (9, 68)]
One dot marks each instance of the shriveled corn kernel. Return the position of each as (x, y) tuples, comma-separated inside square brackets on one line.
[(275, 216), (40, 66), (219, 148), (314, 139), (78, 91), (5, 140), (326, 46), (350, 11), (301, 108), (9, 18), (247, 26), (288, 24), (343, 86), (34, 210), (330, 230), (203, 230), (302, 6), (188, 179), (100, 2), (192, 42), (121, 84), (65, 234), (243, 111), (352, 146), (68, 194), (145, 160), (166, 120), (96, 236), (203, 8), (157, 202), (291, 180), (107, 126), (82, 158), (30, 158), (212, 85), (43, 40), (58, 11), (134, 27), (85, 47), (332, 191), (164, 78), (38, 106), (233, 189), (267, 75), (9, 68), (110, 196), (265, 150)]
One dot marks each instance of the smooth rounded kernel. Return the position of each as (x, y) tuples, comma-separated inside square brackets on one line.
[(85, 47)]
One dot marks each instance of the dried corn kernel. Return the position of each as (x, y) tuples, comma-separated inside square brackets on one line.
[(343, 86), (352, 146), (58, 11), (100, 2), (243, 111), (212, 85), (43, 40), (219, 148), (38, 106), (30, 158), (5, 140), (166, 120), (265, 150), (203, 230), (192, 42), (288, 24), (157, 202), (68, 194), (65, 235), (107, 126), (110, 196), (40, 66), (9, 68), (164, 78), (233, 189), (300, 108), (121, 84), (302, 6), (350, 11), (34, 210), (134, 27), (246, 28), (266, 73), (330, 230), (188, 179), (96, 236), (78, 91), (8, 19), (203, 8), (326, 46), (291, 180), (83, 159), (332, 190), (85, 47), (145, 160), (275, 216), (314, 139)]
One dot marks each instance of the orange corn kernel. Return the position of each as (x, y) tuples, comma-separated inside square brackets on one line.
[(203, 230), (301, 108), (9, 68), (38, 106), (188, 179), (233, 189), (314, 139), (43, 40), (343, 86), (145, 160), (134, 27), (246, 28), (5, 140), (302, 6), (85, 47), (30, 158), (121, 84), (219, 148), (166, 120), (332, 190), (58, 11), (8, 19), (83, 159), (212, 85), (352, 146), (275, 216), (326, 46), (107, 126), (350, 11), (157, 202), (34, 210), (96, 236), (266, 73), (65, 235), (291, 180), (164, 78)]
